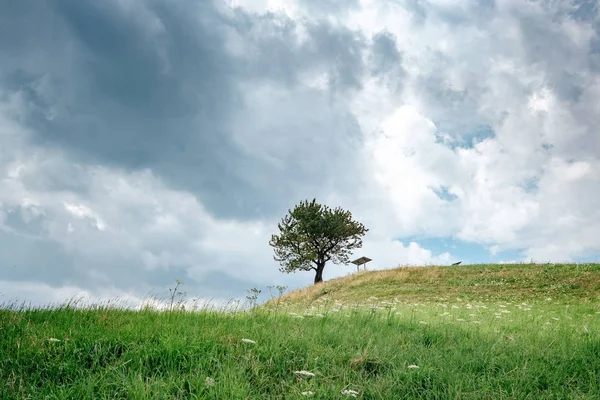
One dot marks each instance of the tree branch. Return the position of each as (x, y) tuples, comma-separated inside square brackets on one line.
[(332, 246)]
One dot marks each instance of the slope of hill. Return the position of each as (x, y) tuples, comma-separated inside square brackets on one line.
[(469, 332), (565, 282)]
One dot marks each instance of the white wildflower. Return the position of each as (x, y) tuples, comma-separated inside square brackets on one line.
[(556, 319), (349, 392), (304, 373), (423, 322), (248, 341), (308, 394), (373, 298), (413, 366), (210, 382), (53, 340)]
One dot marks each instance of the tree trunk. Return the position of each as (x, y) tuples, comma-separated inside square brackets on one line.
[(319, 273)]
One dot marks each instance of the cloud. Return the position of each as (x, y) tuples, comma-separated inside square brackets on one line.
[(142, 143), (510, 188)]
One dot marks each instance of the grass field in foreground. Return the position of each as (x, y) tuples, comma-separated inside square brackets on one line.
[(392, 346)]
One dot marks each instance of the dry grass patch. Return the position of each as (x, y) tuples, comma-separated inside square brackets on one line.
[(512, 281)]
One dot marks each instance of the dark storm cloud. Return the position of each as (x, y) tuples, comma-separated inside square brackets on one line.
[(112, 88), (468, 12), (34, 259), (546, 47), (281, 54), (38, 259), (248, 112), (584, 10), (386, 61), (385, 55)]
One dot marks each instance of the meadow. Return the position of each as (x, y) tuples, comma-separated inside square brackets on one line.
[(526, 331)]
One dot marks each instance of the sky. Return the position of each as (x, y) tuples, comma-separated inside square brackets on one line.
[(147, 141)]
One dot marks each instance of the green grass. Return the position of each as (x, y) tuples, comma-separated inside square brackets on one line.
[(516, 342), (564, 282)]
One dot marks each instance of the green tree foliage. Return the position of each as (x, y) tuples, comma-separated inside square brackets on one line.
[(312, 234)]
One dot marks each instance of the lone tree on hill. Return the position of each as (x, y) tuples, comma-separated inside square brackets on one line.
[(312, 234)]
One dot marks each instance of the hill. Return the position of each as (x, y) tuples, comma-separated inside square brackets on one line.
[(468, 332), (511, 282)]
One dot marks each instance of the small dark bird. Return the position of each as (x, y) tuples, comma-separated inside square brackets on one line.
[(457, 263)]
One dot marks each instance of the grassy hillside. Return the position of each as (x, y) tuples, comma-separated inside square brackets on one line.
[(564, 282), (473, 332)]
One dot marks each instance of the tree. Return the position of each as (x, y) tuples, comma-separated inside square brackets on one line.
[(312, 234)]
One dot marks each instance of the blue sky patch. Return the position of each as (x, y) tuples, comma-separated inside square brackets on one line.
[(467, 252), (464, 139), (443, 193)]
